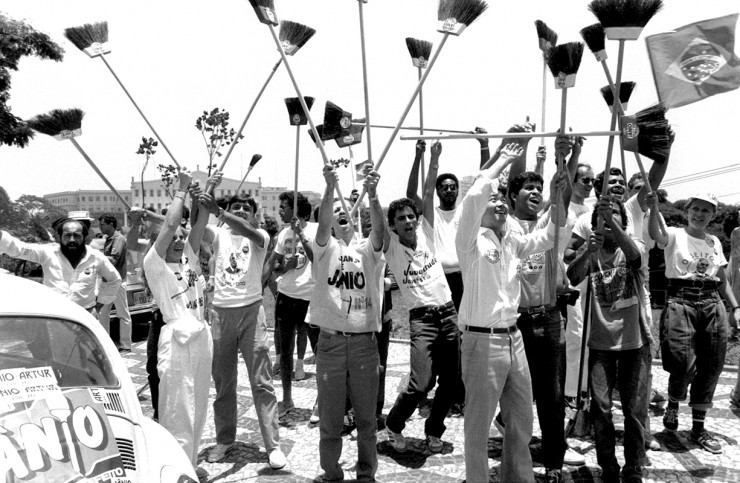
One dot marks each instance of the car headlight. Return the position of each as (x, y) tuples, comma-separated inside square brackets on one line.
[(174, 475)]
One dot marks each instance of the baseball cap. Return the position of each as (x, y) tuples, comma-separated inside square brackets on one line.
[(708, 197)]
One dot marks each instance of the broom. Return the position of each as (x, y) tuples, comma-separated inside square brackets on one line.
[(297, 118), (547, 38), (563, 61), (293, 36), (265, 10), (454, 16), (64, 124), (336, 120), (347, 139), (252, 163), (92, 39), (625, 92), (407, 128), (364, 84), (622, 20), (579, 424), (420, 50)]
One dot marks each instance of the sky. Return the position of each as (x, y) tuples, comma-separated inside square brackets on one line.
[(179, 58)]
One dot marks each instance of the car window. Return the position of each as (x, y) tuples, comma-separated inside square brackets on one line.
[(69, 348)]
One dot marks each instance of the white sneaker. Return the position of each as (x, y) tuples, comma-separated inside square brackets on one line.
[(277, 459), (314, 419), (573, 458), (219, 452), (299, 374), (397, 441)]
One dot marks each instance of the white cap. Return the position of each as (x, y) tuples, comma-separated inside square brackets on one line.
[(708, 197)]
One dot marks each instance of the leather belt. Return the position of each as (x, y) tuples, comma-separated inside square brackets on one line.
[(490, 330), (346, 334), (540, 309)]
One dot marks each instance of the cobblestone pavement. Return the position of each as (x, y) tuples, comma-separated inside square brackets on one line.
[(680, 460)]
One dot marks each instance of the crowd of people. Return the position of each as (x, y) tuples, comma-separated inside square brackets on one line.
[(515, 302)]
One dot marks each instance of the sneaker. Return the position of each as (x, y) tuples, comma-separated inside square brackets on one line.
[(570, 402), (553, 476), (434, 444), (277, 459), (396, 440), (285, 407), (219, 452), (276, 366), (707, 441), (656, 398), (499, 423), (652, 444), (670, 418), (734, 400), (573, 458), (311, 360), (314, 419), (201, 473), (299, 374)]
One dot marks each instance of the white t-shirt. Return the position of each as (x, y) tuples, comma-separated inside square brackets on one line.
[(635, 221), (347, 295), (177, 291), (445, 230), (418, 272), (297, 283), (577, 209), (238, 268), (690, 258)]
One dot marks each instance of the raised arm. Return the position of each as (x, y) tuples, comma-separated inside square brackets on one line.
[(412, 188), (431, 181), (376, 212), (323, 232), (623, 240), (655, 177), (656, 220), (509, 154), (174, 215)]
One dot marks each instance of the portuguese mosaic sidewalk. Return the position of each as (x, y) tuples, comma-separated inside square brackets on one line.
[(681, 460)]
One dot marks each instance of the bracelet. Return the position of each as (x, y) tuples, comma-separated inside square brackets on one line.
[(374, 198), (484, 147), (180, 195)]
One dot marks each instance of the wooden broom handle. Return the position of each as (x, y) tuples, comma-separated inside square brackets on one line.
[(368, 138), (102, 176)]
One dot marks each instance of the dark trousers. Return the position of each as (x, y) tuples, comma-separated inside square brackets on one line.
[(544, 344), (290, 313), (383, 338), (693, 342), (628, 370), (455, 282), (434, 351), (152, 341)]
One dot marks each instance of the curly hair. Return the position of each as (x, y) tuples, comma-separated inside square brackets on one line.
[(599, 181), (398, 205), (304, 206), (622, 213), (515, 185)]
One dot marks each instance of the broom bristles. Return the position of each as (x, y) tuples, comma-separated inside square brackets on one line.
[(263, 3), (334, 118), (655, 136), (86, 35), (255, 160), (294, 105), (57, 121), (464, 11), (625, 13), (295, 33), (595, 37), (322, 134), (564, 58), (546, 33), (625, 91), (419, 49)]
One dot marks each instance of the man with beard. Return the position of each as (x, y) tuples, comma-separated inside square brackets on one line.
[(238, 324), (115, 250), (69, 267)]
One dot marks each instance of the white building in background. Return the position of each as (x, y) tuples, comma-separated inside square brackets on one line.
[(269, 200), (156, 196), (95, 201)]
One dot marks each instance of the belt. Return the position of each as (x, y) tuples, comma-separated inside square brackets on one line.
[(346, 334), (431, 309), (540, 309), (677, 283), (490, 330)]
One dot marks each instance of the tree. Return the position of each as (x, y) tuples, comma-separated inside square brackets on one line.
[(17, 40), (214, 127), (147, 149), (168, 173)]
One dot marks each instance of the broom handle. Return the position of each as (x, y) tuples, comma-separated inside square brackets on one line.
[(102, 57), (405, 113), (617, 105), (615, 112), (308, 116), (249, 114), (421, 129), (102, 176), (584, 338), (407, 128), (364, 83), (544, 98), (469, 135), (295, 183), (641, 167), (558, 202), (244, 178)]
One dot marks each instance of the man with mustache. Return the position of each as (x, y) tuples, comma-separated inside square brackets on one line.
[(238, 324), (69, 267)]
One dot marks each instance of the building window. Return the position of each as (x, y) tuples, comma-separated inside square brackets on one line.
[(83, 198), (159, 207), (136, 193), (151, 192), (125, 197), (97, 198), (159, 193)]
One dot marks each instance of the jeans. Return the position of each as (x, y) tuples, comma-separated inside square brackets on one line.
[(544, 343), (455, 282), (347, 364), (290, 313), (693, 342), (434, 351), (242, 329), (495, 369), (384, 339), (152, 342), (124, 318), (629, 371)]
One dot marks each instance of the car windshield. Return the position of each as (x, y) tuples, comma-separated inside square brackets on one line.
[(69, 348)]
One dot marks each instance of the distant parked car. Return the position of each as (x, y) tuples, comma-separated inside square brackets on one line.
[(141, 305), (68, 408)]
